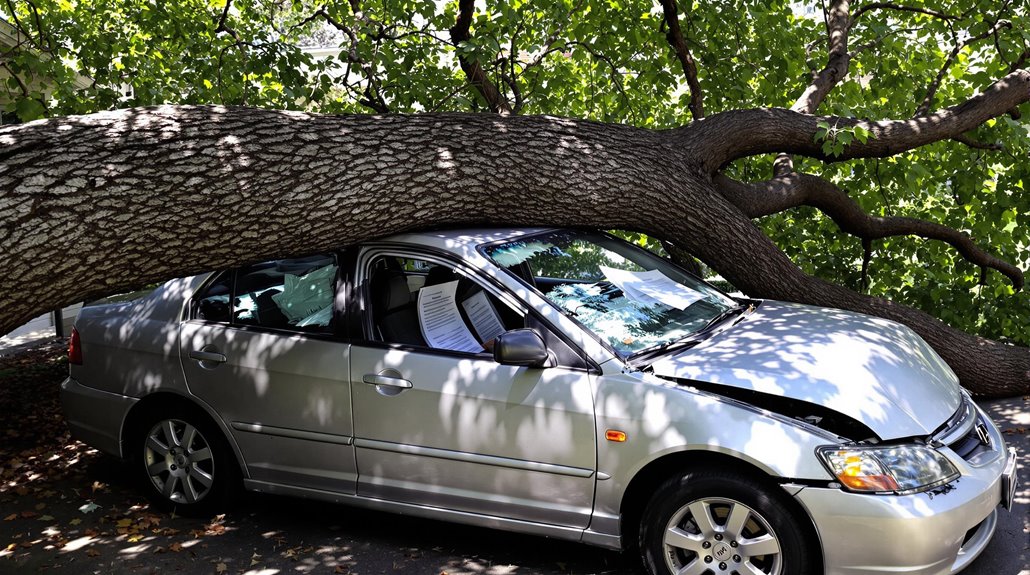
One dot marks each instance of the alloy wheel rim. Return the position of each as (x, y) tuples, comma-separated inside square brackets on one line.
[(179, 461), (719, 536)]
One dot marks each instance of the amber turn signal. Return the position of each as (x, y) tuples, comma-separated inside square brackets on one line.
[(615, 435)]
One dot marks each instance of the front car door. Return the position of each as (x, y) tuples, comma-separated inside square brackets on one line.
[(454, 429), (261, 347)]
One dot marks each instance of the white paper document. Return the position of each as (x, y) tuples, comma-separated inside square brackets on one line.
[(483, 316), (441, 323), (652, 287)]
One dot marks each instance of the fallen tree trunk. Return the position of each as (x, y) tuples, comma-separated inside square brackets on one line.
[(96, 204)]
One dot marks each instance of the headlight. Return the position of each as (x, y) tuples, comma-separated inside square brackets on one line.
[(895, 469)]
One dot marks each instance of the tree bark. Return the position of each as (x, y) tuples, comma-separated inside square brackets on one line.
[(96, 204)]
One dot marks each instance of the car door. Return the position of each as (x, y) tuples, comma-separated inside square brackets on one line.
[(260, 347), (455, 429)]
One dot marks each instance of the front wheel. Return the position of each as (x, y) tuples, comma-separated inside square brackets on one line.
[(186, 464), (722, 523)]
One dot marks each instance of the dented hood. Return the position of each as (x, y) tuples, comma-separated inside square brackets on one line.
[(873, 370)]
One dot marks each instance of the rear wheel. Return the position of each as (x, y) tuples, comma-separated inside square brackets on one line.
[(187, 464), (722, 523)]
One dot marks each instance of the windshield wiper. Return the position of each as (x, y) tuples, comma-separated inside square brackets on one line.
[(641, 357), (724, 315)]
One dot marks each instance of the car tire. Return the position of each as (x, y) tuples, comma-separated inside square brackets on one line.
[(716, 523), (184, 462)]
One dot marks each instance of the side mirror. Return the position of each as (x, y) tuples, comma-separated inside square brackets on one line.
[(523, 347)]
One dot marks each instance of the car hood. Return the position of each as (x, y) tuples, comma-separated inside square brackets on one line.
[(873, 370)]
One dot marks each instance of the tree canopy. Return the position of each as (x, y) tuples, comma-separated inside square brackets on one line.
[(867, 220)]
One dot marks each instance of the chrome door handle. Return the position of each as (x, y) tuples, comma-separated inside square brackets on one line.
[(379, 379), (208, 356)]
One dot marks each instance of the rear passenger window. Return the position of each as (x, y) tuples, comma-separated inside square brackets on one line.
[(295, 294), (213, 304)]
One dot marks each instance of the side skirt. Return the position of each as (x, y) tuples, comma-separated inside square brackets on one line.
[(587, 536)]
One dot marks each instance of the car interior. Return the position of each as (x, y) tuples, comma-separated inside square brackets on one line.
[(394, 286), (291, 294)]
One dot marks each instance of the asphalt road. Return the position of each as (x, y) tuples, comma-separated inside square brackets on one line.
[(66, 509)]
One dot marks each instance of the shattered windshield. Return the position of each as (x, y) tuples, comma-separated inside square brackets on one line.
[(628, 297)]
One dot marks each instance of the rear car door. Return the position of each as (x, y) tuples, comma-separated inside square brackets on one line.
[(261, 347), (455, 429)]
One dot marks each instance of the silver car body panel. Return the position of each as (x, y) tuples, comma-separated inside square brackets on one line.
[(471, 434), (876, 371), (524, 449), (661, 418), (588, 536), (937, 532), (95, 416), (284, 395)]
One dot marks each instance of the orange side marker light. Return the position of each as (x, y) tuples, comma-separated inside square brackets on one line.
[(615, 435)]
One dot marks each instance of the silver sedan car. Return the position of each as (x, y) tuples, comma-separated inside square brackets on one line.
[(557, 382)]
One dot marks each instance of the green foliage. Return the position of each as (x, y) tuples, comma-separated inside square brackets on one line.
[(836, 138), (603, 60)]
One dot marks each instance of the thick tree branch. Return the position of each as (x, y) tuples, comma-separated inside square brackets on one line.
[(198, 188), (793, 190), (477, 77), (679, 46), (772, 130)]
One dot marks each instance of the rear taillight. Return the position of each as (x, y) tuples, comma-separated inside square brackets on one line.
[(74, 348)]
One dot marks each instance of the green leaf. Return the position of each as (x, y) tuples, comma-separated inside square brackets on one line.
[(29, 109)]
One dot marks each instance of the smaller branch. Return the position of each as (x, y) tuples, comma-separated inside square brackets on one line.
[(901, 8), (675, 38), (39, 25), (510, 78), (867, 254), (682, 258), (887, 203), (879, 39), (453, 93), (613, 70), (1020, 61), (785, 192), (931, 90), (21, 85), (221, 24), (977, 144), (22, 30), (460, 32), (371, 97), (838, 26)]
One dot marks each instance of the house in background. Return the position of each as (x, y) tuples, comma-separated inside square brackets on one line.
[(10, 38)]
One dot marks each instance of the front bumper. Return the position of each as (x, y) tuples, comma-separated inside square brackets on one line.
[(938, 532), (95, 417)]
